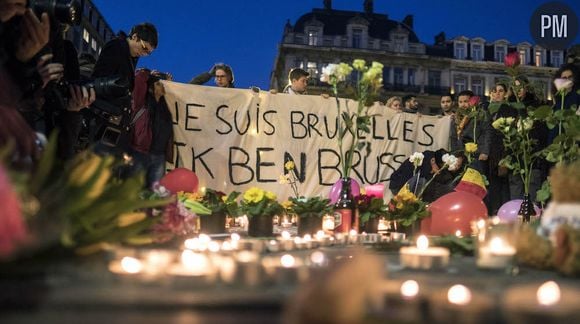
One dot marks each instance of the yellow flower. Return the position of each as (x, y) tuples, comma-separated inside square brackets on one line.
[(289, 165), (498, 123), (127, 219), (287, 204), (283, 179), (359, 64), (400, 205), (470, 147), (99, 184), (254, 195), (224, 198), (405, 195), (270, 195), (194, 196), (343, 70)]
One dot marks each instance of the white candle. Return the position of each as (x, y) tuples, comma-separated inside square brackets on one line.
[(498, 254), (424, 257), (328, 223)]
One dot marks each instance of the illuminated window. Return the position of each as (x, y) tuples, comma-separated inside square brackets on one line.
[(312, 38), (539, 58), (312, 68), (86, 36)]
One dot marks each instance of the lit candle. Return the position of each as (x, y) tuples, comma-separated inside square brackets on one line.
[(289, 270), (424, 257), (497, 254), (375, 190), (285, 241), (548, 294), (328, 223), (127, 265), (409, 289), (459, 295)]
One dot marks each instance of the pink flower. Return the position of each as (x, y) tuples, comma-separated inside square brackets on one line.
[(512, 60), (474, 101), (563, 84), (13, 230)]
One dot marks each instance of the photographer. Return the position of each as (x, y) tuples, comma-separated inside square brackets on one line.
[(118, 59)]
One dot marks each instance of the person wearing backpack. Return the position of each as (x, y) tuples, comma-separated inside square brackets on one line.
[(151, 126)]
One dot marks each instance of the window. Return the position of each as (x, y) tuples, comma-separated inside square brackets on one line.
[(328, 42), (538, 58), (460, 51), (398, 76), (556, 58), (434, 78), (357, 38), (459, 84), (477, 52), (386, 75), (523, 56), (86, 36), (312, 38), (411, 73), (399, 44), (94, 44), (500, 53), (312, 69), (477, 86)]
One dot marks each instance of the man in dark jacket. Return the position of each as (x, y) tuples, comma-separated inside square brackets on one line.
[(118, 59)]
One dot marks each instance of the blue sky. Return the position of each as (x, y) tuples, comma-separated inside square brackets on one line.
[(195, 34)]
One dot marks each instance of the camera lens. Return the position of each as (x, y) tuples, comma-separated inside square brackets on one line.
[(65, 11)]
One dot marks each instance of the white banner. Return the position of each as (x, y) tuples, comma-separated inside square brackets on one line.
[(235, 138)]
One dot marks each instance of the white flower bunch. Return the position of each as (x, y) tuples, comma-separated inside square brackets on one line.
[(334, 73), (563, 85), (417, 159), (450, 161), (525, 124)]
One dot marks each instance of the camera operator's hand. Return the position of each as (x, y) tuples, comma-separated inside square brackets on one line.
[(49, 71), (80, 97), (34, 36), (11, 8)]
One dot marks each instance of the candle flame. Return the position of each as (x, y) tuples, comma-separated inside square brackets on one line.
[(131, 265), (307, 238), (192, 244), (213, 246), (320, 235), (459, 295), (410, 289), (458, 233), (285, 235), (352, 232), (193, 260), (496, 244), (287, 261), (235, 237), (481, 224), (548, 294), (317, 257), (422, 242), (227, 246)]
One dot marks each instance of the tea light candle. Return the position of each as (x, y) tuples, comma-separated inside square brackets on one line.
[(248, 271), (498, 254), (459, 304), (286, 242), (542, 304), (384, 226), (375, 190), (404, 301), (397, 237), (353, 237), (371, 238), (289, 270), (322, 239), (127, 265), (424, 257), (328, 223)]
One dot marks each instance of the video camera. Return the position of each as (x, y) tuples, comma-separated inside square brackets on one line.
[(64, 11)]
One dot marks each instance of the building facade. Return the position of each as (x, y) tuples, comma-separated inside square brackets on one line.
[(93, 31), (328, 35)]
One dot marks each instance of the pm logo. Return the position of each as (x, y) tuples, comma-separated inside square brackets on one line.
[(554, 25)]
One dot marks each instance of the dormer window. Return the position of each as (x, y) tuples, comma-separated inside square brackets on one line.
[(357, 37), (557, 58), (500, 53), (477, 51), (399, 43), (313, 38), (460, 50)]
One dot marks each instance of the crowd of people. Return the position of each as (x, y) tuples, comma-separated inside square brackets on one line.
[(121, 110)]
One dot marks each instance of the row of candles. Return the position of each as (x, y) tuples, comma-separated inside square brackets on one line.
[(493, 252)]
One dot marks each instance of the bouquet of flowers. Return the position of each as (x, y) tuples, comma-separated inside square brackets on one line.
[(81, 205), (368, 80), (300, 205), (257, 202), (406, 208), (370, 207)]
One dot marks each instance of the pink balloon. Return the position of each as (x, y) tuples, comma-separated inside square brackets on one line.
[(180, 179), (337, 187), (453, 212), (508, 212)]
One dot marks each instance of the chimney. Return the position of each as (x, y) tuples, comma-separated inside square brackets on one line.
[(327, 4), (408, 21), (440, 38), (368, 6)]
